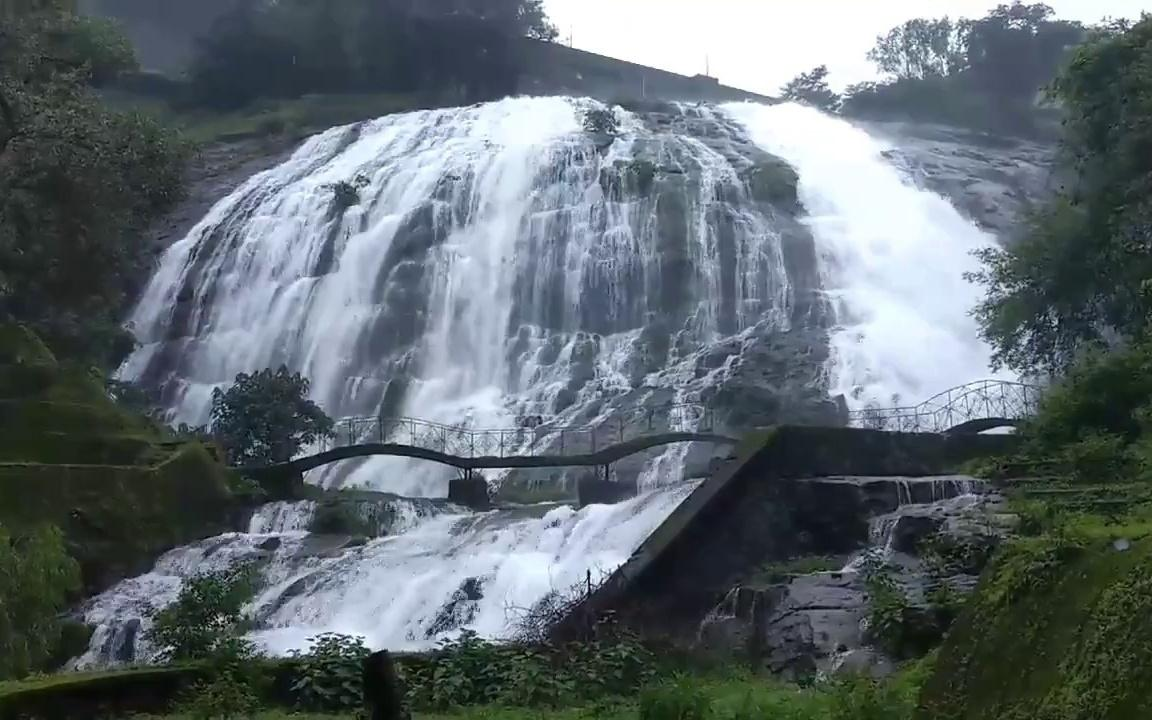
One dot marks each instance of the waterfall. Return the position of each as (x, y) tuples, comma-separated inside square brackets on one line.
[(472, 266), (893, 260)]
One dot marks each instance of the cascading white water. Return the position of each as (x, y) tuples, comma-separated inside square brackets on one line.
[(473, 265), (443, 573), (894, 258)]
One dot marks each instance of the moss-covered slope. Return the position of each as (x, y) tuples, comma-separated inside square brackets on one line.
[(120, 490), (1060, 629)]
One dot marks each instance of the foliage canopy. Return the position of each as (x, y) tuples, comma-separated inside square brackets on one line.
[(266, 417), (37, 578), (78, 185)]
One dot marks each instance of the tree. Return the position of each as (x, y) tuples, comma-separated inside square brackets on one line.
[(811, 88), (37, 579), (78, 185), (265, 418), (292, 47), (922, 48), (1080, 277), (1018, 48), (207, 619)]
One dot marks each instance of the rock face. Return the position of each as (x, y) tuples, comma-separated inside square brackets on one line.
[(995, 181), (818, 622)]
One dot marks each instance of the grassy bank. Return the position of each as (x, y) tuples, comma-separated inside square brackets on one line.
[(264, 118)]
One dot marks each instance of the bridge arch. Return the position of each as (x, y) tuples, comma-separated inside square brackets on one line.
[(972, 408)]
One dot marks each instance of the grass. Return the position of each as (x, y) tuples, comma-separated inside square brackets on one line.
[(772, 573), (702, 697), (266, 118)]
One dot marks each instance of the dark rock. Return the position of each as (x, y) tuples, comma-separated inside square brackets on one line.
[(272, 544), (773, 181), (594, 489), (471, 491), (460, 609), (911, 530)]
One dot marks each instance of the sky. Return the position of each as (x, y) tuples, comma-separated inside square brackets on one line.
[(758, 45)]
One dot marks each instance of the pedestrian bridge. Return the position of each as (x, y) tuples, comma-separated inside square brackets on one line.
[(540, 443), (973, 408), (536, 443)]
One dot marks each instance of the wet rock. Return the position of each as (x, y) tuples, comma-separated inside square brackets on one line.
[(460, 609), (272, 544), (864, 661), (994, 181), (910, 531), (773, 181)]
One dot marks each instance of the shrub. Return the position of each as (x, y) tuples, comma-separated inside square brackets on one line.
[(331, 673), (894, 624), (471, 671), (207, 621), (680, 699), (862, 698), (337, 518), (228, 695), (37, 577), (602, 121), (1097, 457)]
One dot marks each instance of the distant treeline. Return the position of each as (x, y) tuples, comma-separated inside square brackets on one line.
[(463, 50), (988, 74)]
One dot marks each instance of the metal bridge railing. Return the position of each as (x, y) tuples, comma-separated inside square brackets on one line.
[(981, 400), (536, 435)]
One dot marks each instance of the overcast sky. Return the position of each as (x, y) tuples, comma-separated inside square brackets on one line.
[(759, 45)]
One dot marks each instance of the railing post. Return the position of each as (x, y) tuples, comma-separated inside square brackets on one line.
[(501, 443), (472, 443), (380, 429)]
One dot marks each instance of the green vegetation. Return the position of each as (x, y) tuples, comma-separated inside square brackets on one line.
[(811, 88), (1079, 277), (777, 572), (266, 417), (987, 74), (78, 184), (287, 118), (37, 578), (295, 47), (207, 619), (118, 487)]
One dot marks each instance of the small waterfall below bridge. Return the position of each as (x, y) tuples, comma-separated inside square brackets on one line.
[(477, 265)]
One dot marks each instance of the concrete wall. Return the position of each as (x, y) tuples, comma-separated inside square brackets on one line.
[(555, 69), (756, 510)]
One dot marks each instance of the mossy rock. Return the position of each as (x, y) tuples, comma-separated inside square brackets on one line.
[(341, 518), (775, 182), (1055, 632), (20, 346), (117, 520)]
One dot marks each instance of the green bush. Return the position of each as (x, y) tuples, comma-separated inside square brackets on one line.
[(895, 625), (207, 621), (227, 696), (602, 121), (471, 671), (680, 699), (336, 518), (37, 578), (331, 673)]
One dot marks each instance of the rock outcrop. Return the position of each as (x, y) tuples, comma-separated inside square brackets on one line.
[(818, 622)]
